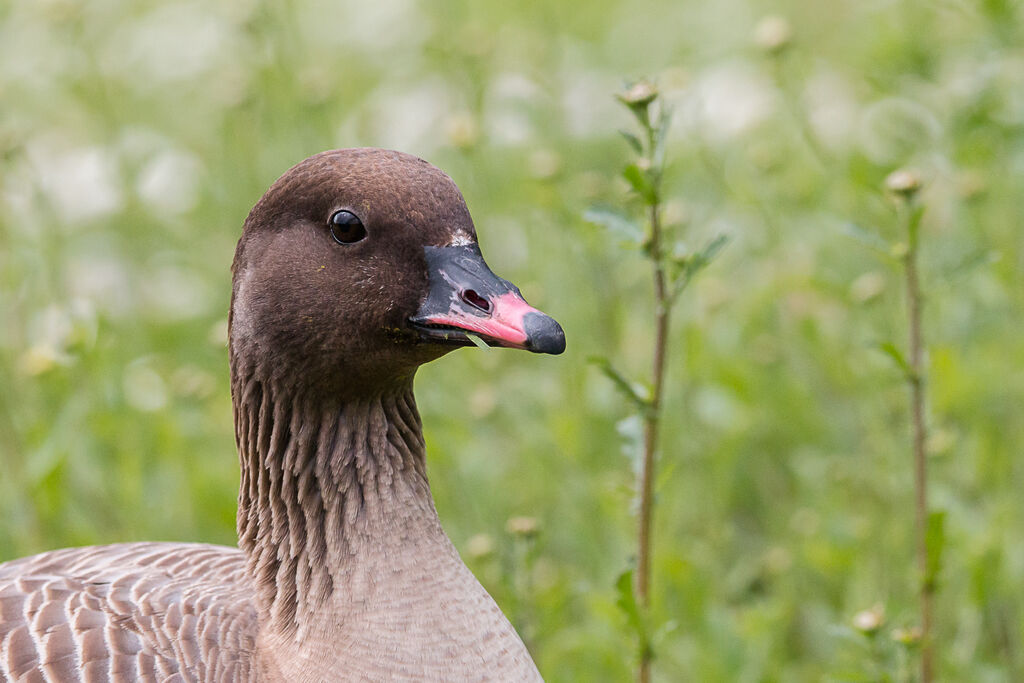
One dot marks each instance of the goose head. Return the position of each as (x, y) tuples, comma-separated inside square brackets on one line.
[(359, 265)]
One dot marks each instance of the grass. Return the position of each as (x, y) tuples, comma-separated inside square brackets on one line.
[(137, 136)]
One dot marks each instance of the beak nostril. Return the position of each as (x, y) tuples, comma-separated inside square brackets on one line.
[(475, 300)]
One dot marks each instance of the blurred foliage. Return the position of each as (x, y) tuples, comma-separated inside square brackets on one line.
[(134, 137)]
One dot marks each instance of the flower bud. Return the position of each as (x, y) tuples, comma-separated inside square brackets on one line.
[(903, 182), (773, 34), (870, 620), (480, 546), (907, 636), (462, 130), (639, 95), (524, 527)]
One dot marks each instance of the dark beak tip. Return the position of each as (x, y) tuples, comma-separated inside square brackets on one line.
[(543, 334)]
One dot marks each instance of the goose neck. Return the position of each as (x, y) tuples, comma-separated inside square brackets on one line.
[(331, 491)]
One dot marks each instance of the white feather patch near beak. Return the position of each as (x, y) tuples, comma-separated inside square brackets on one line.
[(460, 239)]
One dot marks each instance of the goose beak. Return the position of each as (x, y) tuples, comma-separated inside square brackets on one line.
[(464, 297)]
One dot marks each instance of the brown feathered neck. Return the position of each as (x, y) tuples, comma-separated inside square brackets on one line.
[(330, 489)]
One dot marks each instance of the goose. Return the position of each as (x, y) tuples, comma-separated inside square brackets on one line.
[(356, 267)]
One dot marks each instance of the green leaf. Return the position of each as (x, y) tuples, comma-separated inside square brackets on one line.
[(687, 267), (712, 249), (935, 541), (891, 350), (636, 393), (641, 183), (627, 601), (617, 223), (633, 141), (480, 343)]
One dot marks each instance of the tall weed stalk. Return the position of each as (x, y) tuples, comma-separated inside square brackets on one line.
[(928, 526), (672, 270)]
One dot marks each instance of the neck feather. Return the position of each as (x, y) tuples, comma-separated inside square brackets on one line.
[(325, 485)]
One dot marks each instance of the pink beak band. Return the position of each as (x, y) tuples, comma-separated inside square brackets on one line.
[(465, 297)]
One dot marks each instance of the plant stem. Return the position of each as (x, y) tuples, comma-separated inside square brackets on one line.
[(651, 423), (915, 379)]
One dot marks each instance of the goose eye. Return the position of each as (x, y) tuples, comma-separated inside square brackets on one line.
[(346, 227)]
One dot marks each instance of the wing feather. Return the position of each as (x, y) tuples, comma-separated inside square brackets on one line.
[(142, 611)]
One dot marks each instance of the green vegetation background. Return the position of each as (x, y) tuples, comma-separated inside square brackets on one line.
[(134, 137)]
